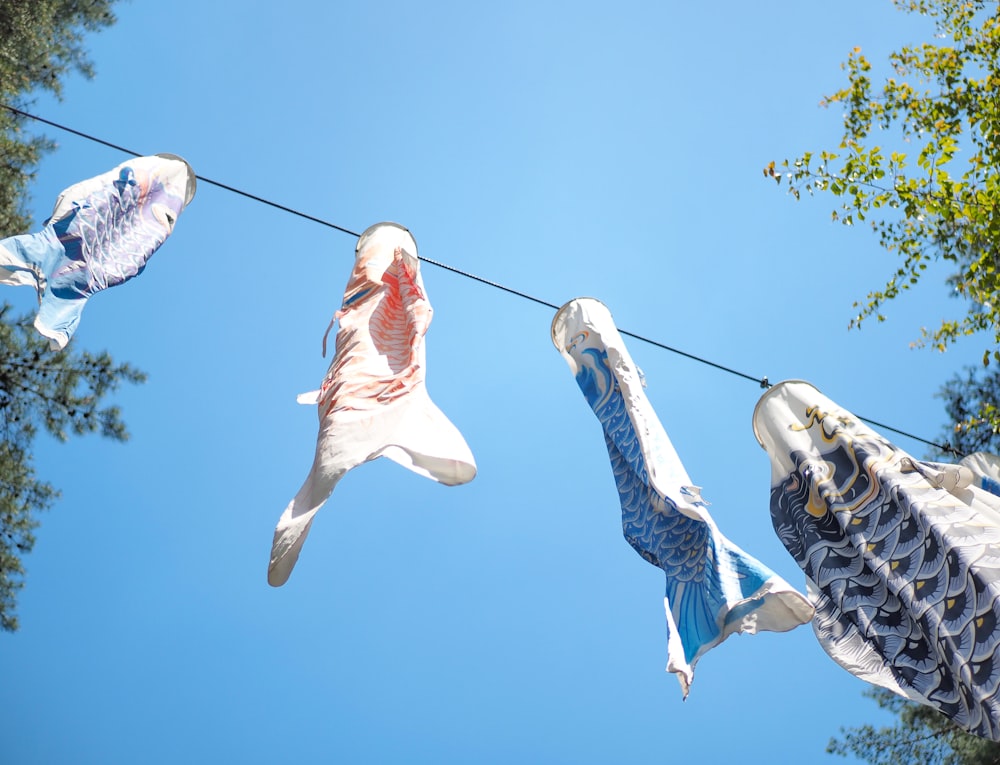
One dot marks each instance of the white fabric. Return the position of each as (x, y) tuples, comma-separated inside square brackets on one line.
[(985, 468), (373, 401)]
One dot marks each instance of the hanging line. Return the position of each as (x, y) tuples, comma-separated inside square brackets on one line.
[(209, 181), (762, 381)]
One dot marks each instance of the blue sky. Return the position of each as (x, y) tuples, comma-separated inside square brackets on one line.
[(562, 149)]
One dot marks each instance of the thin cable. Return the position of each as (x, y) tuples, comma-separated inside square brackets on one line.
[(201, 178), (71, 130), (255, 198), (940, 447), (761, 381), (481, 280)]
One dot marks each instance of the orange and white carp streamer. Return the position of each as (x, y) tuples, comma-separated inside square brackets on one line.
[(374, 401)]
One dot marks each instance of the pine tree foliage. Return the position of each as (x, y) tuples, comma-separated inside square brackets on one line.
[(921, 735), (971, 401), (61, 393), (40, 42), (58, 392)]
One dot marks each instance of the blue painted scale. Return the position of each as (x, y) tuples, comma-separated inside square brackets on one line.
[(713, 588)]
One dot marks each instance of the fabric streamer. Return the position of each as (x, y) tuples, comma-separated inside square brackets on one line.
[(101, 233), (714, 588), (901, 556), (985, 470), (374, 401)]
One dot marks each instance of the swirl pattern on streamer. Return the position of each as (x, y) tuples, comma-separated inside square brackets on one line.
[(702, 573), (713, 588)]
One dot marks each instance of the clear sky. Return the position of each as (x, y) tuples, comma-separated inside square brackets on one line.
[(562, 149)]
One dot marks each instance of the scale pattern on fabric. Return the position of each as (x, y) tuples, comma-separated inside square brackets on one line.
[(109, 238), (392, 335), (373, 401), (700, 569), (102, 233), (713, 588), (905, 575)]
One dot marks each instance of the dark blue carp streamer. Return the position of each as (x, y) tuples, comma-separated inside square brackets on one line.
[(902, 557), (101, 233), (713, 588)]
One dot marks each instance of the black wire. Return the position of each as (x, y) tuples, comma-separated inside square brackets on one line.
[(940, 447), (201, 178), (762, 381), (481, 280), (255, 198), (71, 130)]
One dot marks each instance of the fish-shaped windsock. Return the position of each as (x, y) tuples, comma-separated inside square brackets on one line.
[(374, 400), (101, 233), (714, 588), (901, 556)]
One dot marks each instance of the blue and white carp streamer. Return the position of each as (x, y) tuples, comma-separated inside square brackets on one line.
[(102, 233), (714, 588)]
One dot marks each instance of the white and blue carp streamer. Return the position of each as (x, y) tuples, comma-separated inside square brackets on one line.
[(373, 401), (713, 588), (101, 233), (901, 556)]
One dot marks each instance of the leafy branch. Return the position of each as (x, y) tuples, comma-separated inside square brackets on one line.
[(934, 194)]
